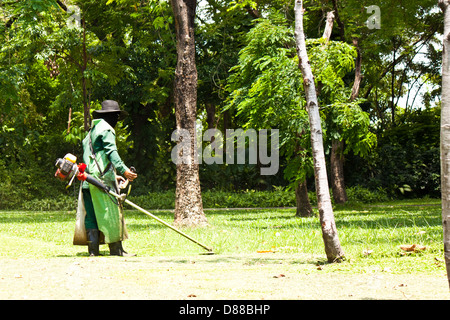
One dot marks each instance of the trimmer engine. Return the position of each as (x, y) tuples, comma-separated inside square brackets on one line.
[(67, 168)]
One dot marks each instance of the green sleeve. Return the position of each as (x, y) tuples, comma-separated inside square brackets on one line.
[(110, 148)]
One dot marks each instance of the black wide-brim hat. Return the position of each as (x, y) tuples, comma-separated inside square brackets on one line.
[(111, 106)]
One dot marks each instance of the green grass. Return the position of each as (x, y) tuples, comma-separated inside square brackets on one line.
[(379, 229)]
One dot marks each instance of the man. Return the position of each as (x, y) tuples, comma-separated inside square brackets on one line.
[(100, 215)]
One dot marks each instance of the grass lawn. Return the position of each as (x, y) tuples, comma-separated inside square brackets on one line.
[(371, 237)]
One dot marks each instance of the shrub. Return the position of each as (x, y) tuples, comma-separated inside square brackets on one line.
[(15, 199), (364, 195)]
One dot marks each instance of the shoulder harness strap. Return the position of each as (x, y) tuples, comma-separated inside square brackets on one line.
[(93, 156)]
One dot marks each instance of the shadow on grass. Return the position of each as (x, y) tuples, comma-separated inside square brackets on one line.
[(250, 259), (241, 259)]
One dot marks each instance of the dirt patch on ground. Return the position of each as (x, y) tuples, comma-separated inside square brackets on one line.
[(203, 277)]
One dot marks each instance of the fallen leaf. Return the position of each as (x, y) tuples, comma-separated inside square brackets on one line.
[(412, 247), (438, 262), (264, 251), (419, 247)]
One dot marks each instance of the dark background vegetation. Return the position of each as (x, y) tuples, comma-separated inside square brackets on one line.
[(130, 56)]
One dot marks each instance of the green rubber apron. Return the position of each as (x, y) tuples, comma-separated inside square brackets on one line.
[(108, 211)]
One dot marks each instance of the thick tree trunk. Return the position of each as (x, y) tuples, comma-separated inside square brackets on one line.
[(445, 134), (304, 208), (333, 248), (337, 171), (188, 197)]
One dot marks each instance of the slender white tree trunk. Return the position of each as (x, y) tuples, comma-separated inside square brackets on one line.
[(328, 26), (445, 134), (333, 248)]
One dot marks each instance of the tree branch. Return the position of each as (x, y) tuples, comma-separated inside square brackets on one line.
[(425, 38), (62, 5)]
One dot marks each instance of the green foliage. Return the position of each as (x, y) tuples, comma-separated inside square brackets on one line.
[(266, 83), (359, 194), (24, 197), (266, 91), (347, 122), (144, 47), (330, 62), (32, 188), (249, 199), (406, 162), (222, 199), (121, 41)]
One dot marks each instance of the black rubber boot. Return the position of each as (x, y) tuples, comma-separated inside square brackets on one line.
[(116, 249), (93, 242)]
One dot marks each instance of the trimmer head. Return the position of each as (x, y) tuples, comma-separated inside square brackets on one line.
[(210, 251)]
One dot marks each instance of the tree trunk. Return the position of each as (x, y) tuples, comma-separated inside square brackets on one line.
[(337, 171), (358, 76), (333, 248), (210, 115), (304, 208), (188, 197), (328, 26), (394, 62), (339, 21), (337, 146), (445, 134), (86, 100)]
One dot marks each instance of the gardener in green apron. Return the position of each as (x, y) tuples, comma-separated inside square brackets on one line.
[(99, 215)]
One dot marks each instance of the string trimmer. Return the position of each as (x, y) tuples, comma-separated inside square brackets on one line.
[(68, 169)]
